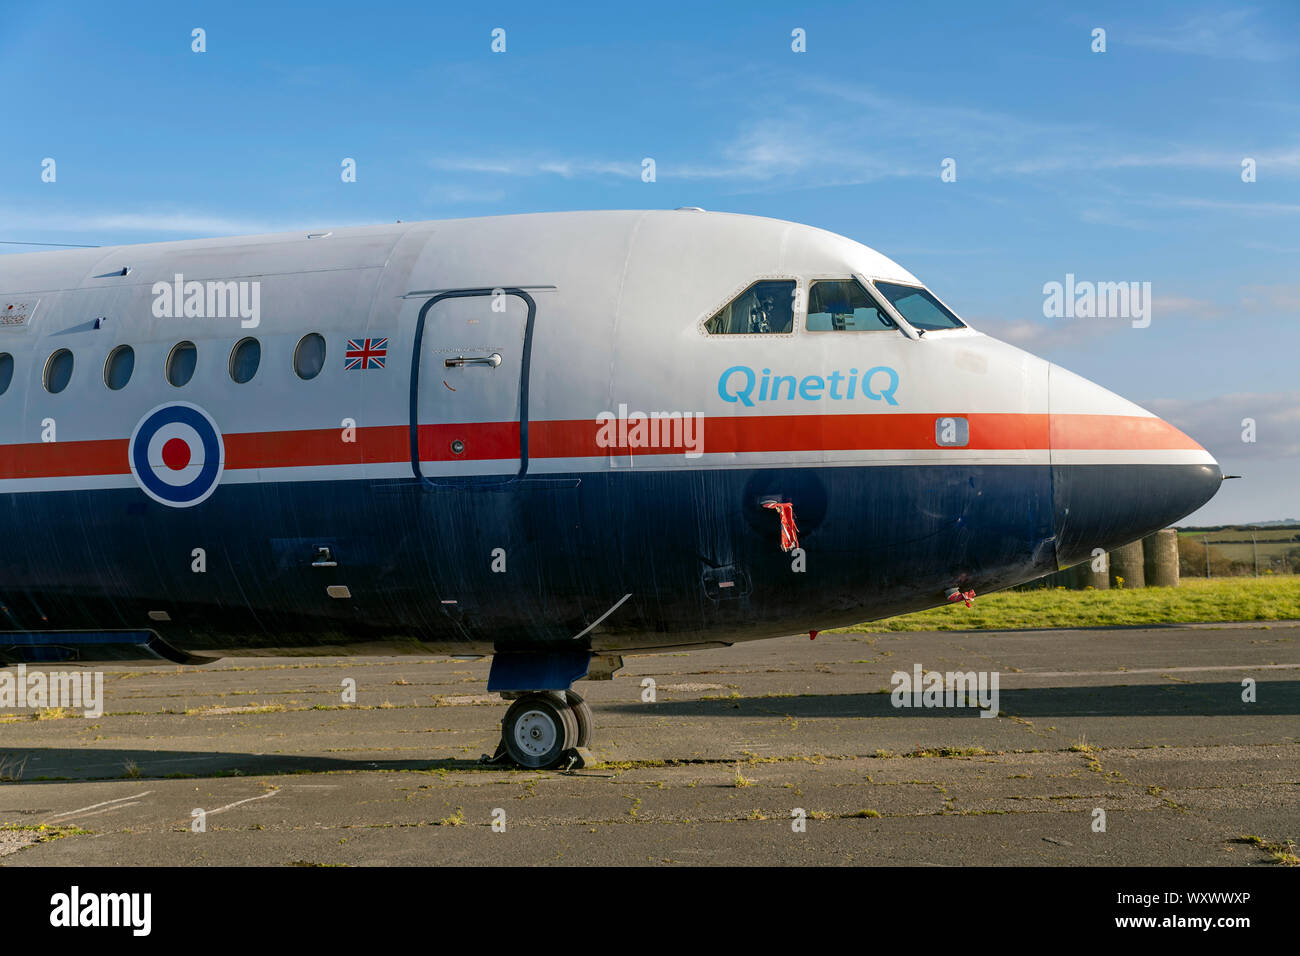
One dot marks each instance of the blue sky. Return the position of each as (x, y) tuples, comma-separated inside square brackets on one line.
[(1115, 166)]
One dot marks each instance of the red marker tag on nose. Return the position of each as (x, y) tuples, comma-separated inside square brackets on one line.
[(789, 530), (967, 597)]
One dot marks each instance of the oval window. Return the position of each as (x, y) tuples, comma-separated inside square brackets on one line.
[(309, 356), (58, 371), (118, 368), (6, 371), (245, 357), (181, 362)]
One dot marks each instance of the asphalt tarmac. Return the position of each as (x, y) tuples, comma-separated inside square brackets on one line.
[(1111, 746)]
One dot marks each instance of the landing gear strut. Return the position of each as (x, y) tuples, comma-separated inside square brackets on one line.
[(544, 729)]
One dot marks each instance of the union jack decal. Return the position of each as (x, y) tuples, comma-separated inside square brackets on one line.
[(366, 353)]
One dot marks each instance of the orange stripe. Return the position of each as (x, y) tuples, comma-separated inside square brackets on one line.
[(377, 444), (63, 459), (1117, 432), (577, 438), (484, 441), (739, 434)]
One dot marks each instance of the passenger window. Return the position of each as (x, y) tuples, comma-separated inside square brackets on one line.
[(843, 305), (180, 363), (245, 357), (58, 371), (118, 368), (309, 356), (921, 309), (764, 307), (6, 371)]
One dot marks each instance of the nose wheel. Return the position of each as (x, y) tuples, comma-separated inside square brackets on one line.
[(543, 729), (582, 714)]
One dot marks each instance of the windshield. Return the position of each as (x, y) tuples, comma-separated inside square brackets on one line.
[(922, 310), (843, 305), (764, 307)]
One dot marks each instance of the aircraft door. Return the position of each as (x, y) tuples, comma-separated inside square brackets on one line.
[(469, 385)]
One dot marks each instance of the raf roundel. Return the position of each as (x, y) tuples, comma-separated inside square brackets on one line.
[(177, 455)]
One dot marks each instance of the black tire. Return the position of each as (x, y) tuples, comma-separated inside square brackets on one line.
[(538, 729), (582, 713)]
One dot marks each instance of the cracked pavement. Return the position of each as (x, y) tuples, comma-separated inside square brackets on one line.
[(1147, 725)]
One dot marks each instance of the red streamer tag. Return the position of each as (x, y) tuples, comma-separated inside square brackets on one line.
[(967, 597), (789, 530)]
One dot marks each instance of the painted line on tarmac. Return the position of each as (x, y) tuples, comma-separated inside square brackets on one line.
[(237, 803), (1162, 670), (108, 805)]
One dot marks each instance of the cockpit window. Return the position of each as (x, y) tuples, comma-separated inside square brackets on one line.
[(764, 307), (922, 310), (842, 305)]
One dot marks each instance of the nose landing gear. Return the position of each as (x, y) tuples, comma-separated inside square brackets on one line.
[(582, 714), (545, 729), (547, 725)]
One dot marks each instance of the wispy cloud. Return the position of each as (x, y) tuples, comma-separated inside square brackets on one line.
[(1217, 423), (540, 166), (1281, 297), (1225, 34), (1226, 205), (454, 194), (787, 144), (1100, 154), (1050, 334), (1187, 307), (104, 227), (764, 152), (1105, 213), (1253, 301), (890, 136)]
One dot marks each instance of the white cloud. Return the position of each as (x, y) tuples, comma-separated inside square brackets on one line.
[(1042, 335), (1035, 335), (1225, 34), (1248, 208), (452, 193), (565, 168), (1112, 156), (1281, 297), (797, 142), (1108, 214), (1217, 423), (99, 228), (1186, 307)]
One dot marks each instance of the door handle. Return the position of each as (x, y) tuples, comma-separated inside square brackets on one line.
[(492, 361)]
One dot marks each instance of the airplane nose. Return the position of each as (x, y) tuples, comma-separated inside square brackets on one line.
[(1118, 472)]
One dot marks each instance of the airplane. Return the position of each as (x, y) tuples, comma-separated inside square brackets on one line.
[(555, 439)]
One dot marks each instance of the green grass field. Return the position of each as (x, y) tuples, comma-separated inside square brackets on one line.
[(1278, 548), (1236, 534), (1270, 598), (1244, 551)]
